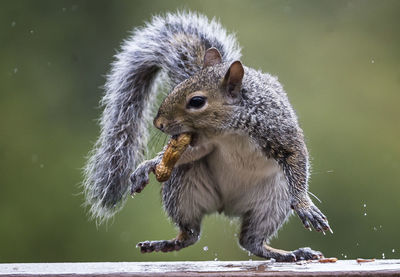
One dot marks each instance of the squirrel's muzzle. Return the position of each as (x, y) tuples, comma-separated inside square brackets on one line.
[(159, 123)]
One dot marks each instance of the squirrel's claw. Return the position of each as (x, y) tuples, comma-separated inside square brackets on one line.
[(311, 214)]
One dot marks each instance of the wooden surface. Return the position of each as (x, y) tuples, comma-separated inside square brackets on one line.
[(208, 268)]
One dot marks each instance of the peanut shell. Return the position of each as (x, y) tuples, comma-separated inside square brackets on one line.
[(176, 146)]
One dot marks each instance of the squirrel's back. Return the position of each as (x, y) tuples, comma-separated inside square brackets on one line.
[(174, 44)]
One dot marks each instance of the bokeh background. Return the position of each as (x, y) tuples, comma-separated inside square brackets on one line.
[(338, 60)]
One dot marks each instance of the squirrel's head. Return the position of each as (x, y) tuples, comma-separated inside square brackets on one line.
[(204, 103)]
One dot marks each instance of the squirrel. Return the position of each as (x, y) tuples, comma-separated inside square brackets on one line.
[(247, 158)]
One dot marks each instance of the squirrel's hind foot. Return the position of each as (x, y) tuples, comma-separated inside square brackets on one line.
[(160, 245), (300, 254), (184, 239), (307, 253)]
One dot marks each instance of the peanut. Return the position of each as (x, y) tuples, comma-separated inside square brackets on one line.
[(176, 146)]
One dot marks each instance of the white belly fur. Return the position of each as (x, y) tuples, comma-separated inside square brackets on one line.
[(243, 175)]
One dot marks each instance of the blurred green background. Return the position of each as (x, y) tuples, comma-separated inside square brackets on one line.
[(338, 60)]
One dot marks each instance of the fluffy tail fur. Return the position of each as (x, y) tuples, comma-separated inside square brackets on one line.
[(174, 44)]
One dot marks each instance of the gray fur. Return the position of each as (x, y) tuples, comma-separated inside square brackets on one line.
[(172, 44)]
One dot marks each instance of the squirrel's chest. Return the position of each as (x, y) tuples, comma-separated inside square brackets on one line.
[(237, 165)]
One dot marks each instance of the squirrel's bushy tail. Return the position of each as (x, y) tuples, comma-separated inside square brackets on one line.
[(174, 44)]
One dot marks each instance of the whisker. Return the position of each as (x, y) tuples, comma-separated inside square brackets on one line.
[(152, 138), (158, 139), (154, 142), (312, 194), (165, 140)]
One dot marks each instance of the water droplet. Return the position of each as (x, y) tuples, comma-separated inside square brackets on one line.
[(13, 24), (365, 205), (345, 256), (375, 229), (216, 259), (205, 248), (393, 250), (383, 255), (372, 61), (365, 214)]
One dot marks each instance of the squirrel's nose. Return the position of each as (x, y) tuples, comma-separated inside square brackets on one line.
[(159, 123)]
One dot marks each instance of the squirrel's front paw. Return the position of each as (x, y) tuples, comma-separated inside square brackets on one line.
[(140, 177), (309, 213)]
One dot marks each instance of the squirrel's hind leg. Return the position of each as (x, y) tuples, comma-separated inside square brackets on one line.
[(253, 238), (187, 196), (255, 232), (269, 209)]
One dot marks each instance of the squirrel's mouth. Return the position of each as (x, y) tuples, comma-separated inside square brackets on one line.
[(195, 138)]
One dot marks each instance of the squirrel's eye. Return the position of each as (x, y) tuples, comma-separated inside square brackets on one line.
[(196, 102)]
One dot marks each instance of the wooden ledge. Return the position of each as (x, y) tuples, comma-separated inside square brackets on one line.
[(207, 268)]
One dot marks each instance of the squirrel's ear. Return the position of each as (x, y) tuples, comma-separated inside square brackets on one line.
[(233, 79), (212, 57)]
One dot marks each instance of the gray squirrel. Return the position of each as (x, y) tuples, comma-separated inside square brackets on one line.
[(247, 159)]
